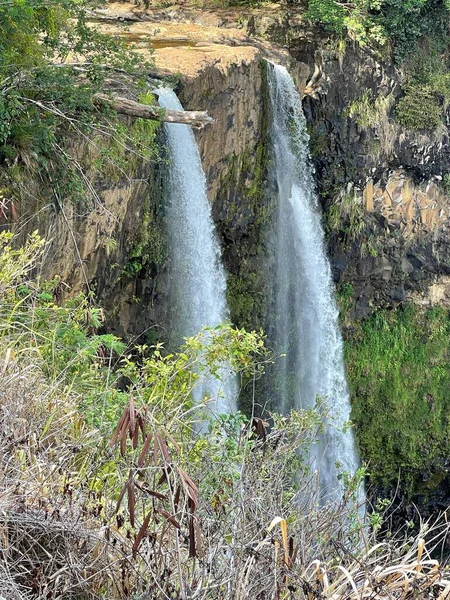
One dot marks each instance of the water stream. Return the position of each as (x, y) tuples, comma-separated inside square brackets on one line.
[(197, 278), (305, 319)]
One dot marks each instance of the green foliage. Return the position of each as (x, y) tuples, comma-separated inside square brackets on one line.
[(368, 112), (345, 295), (427, 86), (419, 108), (446, 183), (44, 101), (346, 217), (377, 22), (399, 374), (62, 337), (328, 13)]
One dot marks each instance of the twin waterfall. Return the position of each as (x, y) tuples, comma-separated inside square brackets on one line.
[(304, 324), (198, 283)]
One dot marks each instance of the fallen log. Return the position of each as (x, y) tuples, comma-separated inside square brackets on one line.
[(125, 106)]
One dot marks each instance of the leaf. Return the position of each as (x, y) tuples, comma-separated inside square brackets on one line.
[(163, 448), (283, 526), (198, 538), (121, 495), (189, 487), (135, 438), (141, 423), (144, 451), (141, 533), (132, 413), (123, 445), (171, 519)]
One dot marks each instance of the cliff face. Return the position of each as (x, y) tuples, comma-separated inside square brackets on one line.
[(385, 205)]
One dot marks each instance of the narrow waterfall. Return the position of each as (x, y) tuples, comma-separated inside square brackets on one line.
[(305, 325), (197, 278)]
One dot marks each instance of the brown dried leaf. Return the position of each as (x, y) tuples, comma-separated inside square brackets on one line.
[(144, 451), (192, 545), (141, 533), (198, 538), (169, 517), (141, 424), (121, 495), (190, 488), (117, 430), (132, 413), (163, 448), (123, 444), (135, 438)]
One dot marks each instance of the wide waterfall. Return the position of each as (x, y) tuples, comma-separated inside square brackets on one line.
[(197, 278), (305, 326)]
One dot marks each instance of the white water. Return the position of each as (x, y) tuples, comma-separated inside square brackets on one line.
[(306, 325), (197, 278)]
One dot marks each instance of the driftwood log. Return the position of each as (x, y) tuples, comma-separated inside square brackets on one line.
[(125, 106)]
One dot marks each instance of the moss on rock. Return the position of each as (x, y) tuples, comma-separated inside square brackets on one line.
[(398, 365)]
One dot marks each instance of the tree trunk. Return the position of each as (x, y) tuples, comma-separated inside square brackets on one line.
[(131, 108)]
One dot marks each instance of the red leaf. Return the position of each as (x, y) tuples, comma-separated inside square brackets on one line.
[(132, 414), (141, 533)]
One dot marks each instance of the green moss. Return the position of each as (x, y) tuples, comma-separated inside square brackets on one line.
[(151, 249), (245, 301), (398, 366)]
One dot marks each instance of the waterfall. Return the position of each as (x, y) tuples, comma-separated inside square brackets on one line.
[(197, 277), (305, 326)]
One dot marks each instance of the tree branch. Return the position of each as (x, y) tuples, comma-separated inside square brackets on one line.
[(136, 110)]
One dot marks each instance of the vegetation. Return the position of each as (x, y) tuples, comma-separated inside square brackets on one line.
[(52, 63), (416, 31), (399, 373), (381, 22), (108, 491), (158, 509)]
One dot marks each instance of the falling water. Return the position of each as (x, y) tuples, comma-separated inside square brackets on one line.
[(306, 318), (197, 278)]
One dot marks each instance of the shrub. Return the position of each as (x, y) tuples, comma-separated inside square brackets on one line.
[(419, 109)]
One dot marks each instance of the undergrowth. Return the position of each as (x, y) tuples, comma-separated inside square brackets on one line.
[(399, 373), (107, 490)]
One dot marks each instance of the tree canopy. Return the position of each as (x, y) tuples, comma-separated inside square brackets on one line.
[(400, 23)]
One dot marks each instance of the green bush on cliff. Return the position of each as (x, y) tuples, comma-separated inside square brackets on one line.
[(398, 365), (419, 109), (401, 23)]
